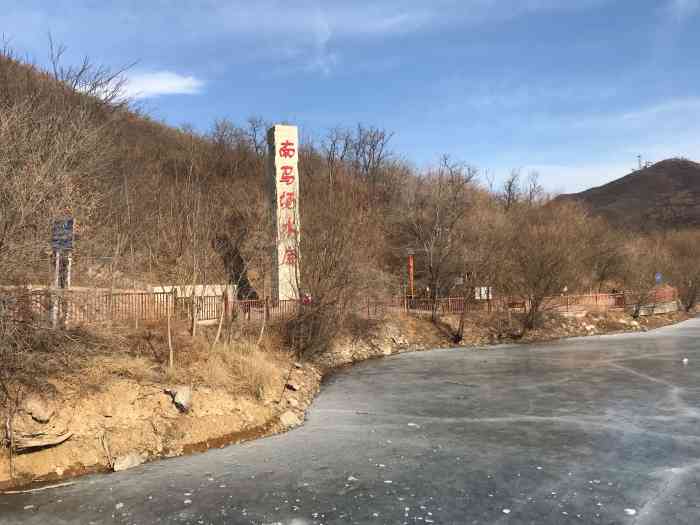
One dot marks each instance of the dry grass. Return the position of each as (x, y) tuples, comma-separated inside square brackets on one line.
[(240, 367), (258, 372), (91, 361), (98, 370)]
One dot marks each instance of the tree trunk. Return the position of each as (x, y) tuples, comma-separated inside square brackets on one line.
[(221, 320), (531, 315), (262, 332), (460, 329)]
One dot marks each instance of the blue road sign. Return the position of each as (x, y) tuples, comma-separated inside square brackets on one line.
[(658, 277), (62, 235)]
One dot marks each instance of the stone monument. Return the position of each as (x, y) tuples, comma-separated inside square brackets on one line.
[(283, 167)]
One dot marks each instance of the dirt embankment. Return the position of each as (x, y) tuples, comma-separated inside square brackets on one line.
[(485, 329), (116, 411), (120, 411)]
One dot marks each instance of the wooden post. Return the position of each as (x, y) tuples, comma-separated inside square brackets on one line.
[(227, 303), (56, 283), (69, 266), (173, 295)]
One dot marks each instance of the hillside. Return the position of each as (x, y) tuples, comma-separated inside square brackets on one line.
[(664, 195), (156, 205), (134, 185)]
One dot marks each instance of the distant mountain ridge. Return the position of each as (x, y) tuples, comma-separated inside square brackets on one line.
[(661, 196)]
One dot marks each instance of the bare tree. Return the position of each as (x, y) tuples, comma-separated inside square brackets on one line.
[(683, 265), (483, 251), (545, 254), (99, 82), (333, 265), (534, 191), (47, 170), (603, 254), (433, 220), (510, 194), (370, 152), (256, 133), (337, 148), (643, 258)]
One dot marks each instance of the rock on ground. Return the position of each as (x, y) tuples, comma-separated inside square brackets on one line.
[(39, 409), (128, 461), (290, 419), (182, 397)]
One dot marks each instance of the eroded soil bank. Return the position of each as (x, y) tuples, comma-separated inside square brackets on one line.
[(117, 420)]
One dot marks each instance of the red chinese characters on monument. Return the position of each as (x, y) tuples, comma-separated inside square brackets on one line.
[(288, 200), (290, 256), (288, 227), (288, 150), (287, 184), (287, 175)]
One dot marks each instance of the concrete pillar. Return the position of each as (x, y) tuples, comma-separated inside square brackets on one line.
[(283, 168)]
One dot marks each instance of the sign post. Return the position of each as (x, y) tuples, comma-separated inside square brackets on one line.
[(283, 167), (62, 236), (410, 273)]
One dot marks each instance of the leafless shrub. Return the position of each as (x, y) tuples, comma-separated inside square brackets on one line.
[(434, 221), (643, 258), (96, 81), (331, 268), (545, 251), (47, 170), (683, 265)]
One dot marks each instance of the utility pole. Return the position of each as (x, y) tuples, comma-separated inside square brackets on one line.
[(411, 272)]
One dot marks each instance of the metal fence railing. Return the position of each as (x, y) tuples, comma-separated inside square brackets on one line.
[(71, 308), (561, 303)]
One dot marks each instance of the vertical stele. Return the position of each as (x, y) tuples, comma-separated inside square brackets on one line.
[(283, 167)]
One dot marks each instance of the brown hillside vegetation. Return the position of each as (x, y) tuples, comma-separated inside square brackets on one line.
[(664, 195), (157, 205)]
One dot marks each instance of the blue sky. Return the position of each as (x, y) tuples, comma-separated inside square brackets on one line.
[(574, 89)]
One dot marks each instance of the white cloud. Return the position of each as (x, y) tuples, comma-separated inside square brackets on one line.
[(322, 59), (157, 83)]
